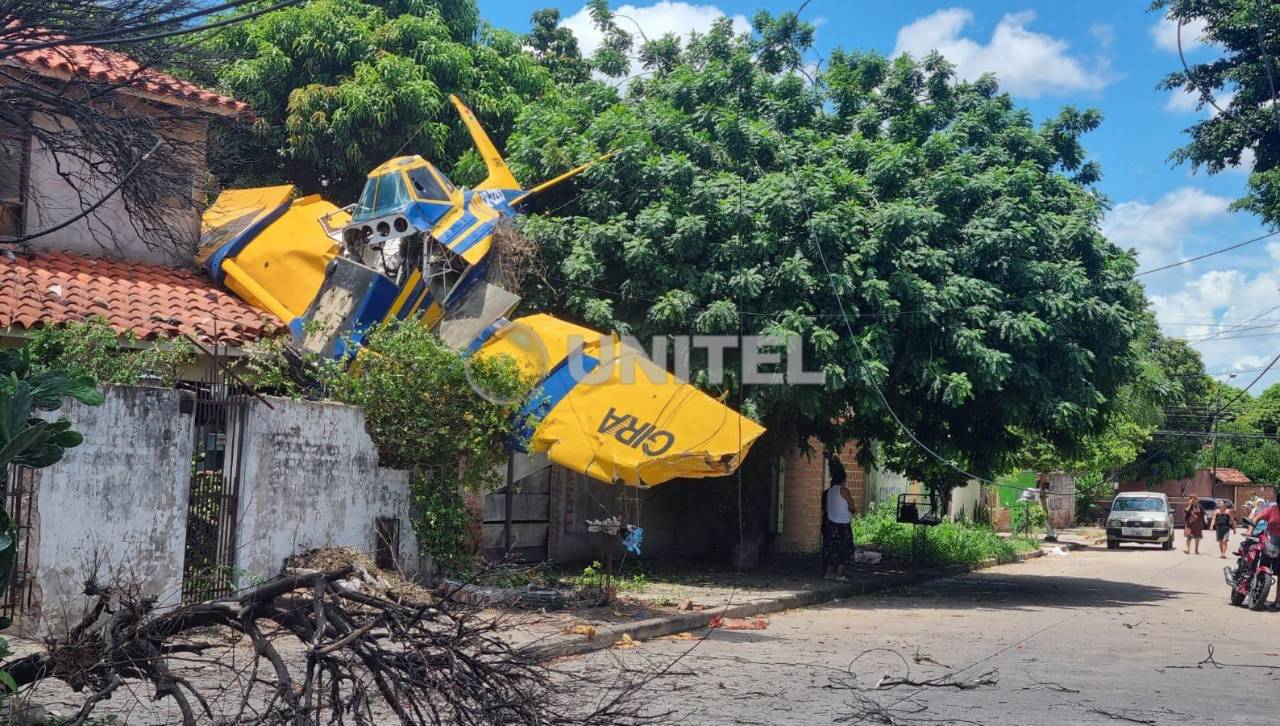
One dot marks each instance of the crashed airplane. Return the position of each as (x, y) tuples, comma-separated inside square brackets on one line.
[(415, 246)]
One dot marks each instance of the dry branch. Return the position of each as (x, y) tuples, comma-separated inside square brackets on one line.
[(324, 647)]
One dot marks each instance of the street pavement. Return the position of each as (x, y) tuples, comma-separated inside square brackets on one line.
[(1093, 637)]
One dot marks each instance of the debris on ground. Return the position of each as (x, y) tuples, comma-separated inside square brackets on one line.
[(683, 605), (626, 642), (581, 629), (366, 578), (867, 557)]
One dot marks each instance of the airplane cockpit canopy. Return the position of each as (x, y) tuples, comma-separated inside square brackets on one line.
[(393, 186)]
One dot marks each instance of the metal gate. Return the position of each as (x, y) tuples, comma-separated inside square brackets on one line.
[(219, 407), (20, 501), (517, 517)]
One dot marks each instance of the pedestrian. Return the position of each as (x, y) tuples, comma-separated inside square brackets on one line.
[(837, 531), (1193, 524), (1224, 525)]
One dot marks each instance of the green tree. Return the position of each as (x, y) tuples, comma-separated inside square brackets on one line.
[(1175, 383), (1248, 439), (340, 86), (1243, 80), (972, 284), (424, 415), (556, 48)]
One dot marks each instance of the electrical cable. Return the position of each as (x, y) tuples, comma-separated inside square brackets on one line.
[(15, 46)]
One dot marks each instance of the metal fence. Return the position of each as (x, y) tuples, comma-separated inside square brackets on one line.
[(219, 408), (20, 501)]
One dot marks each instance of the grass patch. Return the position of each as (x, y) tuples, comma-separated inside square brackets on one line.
[(949, 543), (594, 575)]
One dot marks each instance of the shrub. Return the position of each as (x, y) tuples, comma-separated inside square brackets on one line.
[(948, 543), (94, 349), (1019, 513), (424, 415)]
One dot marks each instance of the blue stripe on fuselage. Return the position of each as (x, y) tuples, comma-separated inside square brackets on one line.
[(548, 394)]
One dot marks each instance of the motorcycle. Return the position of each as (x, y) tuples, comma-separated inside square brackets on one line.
[(1255, 571)]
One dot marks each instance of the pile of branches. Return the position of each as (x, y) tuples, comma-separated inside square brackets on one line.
[(312, 647)]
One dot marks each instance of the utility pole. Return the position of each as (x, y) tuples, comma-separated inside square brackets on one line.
[(1217, 396)]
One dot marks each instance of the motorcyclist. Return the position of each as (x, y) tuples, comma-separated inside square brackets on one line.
[(1271, 515)]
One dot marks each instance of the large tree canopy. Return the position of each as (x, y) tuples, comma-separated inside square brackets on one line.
[(971, 283), (1242, 87), (340, 86)]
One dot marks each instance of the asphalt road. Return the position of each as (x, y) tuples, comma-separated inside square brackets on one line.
[(1094, 637)]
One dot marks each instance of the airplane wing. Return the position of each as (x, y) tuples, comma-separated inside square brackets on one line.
[(608, 412)]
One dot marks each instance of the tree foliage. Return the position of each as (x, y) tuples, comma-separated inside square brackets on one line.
[(423, 413), (93, 349), (971, 282), (1248, 439), (340, 86), (1176, 396), (1236, 81)]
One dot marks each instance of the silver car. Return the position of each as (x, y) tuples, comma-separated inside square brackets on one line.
[(1140, 517)]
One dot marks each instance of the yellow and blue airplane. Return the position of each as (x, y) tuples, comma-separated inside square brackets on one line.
[(415, 246)]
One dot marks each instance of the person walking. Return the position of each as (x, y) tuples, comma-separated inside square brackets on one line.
[(1193, 522), (1224, 525), (837, 533)]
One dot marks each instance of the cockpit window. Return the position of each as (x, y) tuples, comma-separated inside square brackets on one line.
[(427, 186), (382, 195)]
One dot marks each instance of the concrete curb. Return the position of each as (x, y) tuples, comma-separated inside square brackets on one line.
[(607, 635)]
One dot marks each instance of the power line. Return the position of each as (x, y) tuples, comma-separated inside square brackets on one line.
[(1206, 255)]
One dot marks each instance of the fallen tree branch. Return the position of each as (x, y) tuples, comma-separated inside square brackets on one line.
[(990, 678), (330, 649)]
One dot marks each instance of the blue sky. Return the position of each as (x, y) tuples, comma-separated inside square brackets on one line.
[(1088, 53)]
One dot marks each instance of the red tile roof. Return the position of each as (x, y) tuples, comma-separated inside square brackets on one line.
[(149, 300), (109, 66), (1232, 476)]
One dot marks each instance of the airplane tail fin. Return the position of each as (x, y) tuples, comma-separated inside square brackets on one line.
[(556, 180), (500, 177)]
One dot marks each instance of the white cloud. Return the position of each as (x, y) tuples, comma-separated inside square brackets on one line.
[(1220, 312), (1184, 101), (1028, 64), (654, 20), (1247, 159), (1165, 34), (1104, 34), (1158, 230)]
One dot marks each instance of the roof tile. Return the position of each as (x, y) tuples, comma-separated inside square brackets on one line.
[(114, 67), (132, 296), (1231, 476)]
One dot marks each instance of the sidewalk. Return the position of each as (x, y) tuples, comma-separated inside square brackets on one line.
[(649, 612)]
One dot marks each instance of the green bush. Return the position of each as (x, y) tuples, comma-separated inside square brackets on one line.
[(1019, 513), (423, 413), (94, 349), (949, 543)]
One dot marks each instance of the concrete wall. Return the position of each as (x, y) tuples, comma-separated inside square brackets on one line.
[(119, 499), (311, 479)]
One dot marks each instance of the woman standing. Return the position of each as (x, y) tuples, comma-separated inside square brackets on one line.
[(1193, 524), (837, 532), (1224, 524)]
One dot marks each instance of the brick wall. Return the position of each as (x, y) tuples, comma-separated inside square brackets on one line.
[(804, 481)]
